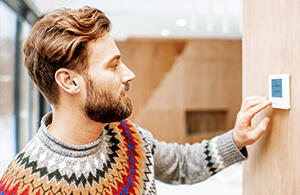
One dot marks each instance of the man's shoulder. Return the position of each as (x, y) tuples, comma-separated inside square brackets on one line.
[(19, 167)]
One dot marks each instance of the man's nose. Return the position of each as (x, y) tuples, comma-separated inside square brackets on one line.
[(128, 75)]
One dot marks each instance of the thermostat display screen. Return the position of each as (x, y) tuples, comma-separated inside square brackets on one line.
[(279, 91), (277, 88)]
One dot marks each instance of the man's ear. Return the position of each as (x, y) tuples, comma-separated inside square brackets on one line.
[(67, 80)]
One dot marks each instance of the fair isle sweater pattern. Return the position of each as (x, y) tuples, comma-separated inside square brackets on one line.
[(119, 162)]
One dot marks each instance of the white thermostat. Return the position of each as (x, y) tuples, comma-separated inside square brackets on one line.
[(279, 91)]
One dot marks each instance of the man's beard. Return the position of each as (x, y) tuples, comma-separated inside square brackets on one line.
[(102, 106)]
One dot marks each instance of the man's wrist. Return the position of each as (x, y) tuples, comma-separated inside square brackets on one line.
[(237, 143)]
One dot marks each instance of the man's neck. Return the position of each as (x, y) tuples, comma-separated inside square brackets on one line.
[(74, 128)]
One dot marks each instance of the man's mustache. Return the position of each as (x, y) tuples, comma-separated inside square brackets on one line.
[(127, 86)]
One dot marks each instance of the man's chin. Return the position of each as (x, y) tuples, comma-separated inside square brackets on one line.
[(111, 112)]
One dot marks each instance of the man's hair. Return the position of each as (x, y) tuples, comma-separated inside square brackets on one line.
[(59, 40)]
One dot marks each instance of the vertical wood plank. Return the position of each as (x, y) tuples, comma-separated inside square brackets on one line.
[(271, 40)]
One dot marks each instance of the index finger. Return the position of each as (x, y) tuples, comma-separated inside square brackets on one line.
[(256, 109), (252, 101)]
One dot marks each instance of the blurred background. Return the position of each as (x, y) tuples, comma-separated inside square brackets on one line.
[(187, 57)]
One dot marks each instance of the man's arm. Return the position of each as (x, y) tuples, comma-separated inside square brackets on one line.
[(188, 164), (178, 164)]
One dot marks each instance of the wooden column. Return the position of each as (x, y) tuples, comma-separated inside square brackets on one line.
[(271, 45)]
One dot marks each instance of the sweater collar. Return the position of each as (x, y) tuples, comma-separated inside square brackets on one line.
[(64, 148)]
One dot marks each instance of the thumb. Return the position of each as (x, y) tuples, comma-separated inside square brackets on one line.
[(261, 128), (264, 123)]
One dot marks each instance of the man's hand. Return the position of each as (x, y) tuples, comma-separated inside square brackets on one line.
[(243, 133)]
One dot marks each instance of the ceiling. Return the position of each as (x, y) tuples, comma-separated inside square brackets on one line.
[(217, 19)]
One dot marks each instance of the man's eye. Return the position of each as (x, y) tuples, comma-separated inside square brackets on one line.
[(114, 66)]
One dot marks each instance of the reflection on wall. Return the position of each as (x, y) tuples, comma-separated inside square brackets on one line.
[(178, 81)]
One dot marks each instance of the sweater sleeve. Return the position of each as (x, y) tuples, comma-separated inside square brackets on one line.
[(188, 164)]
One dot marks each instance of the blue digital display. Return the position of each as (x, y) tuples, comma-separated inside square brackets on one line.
[(277, 88)]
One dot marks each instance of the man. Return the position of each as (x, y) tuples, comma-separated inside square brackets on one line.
[(85, 146)]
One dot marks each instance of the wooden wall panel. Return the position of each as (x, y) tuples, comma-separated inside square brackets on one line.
[(205, 84), (164, 113), (214, 49), (213, 76), (271, 40), (165, 125)]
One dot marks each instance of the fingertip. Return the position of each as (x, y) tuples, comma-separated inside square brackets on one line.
[(265, 123), (267, 119)]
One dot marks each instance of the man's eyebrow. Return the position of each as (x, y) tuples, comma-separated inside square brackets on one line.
[(116, 57)]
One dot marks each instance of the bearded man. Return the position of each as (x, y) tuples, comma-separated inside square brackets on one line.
[(86, 145)]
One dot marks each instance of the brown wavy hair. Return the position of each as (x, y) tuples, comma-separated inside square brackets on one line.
[(59, 40)]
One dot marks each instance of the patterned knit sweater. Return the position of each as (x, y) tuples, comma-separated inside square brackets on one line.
[(123, 160)]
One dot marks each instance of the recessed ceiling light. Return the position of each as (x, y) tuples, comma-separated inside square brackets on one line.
[(181, 22), (165, 32)]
